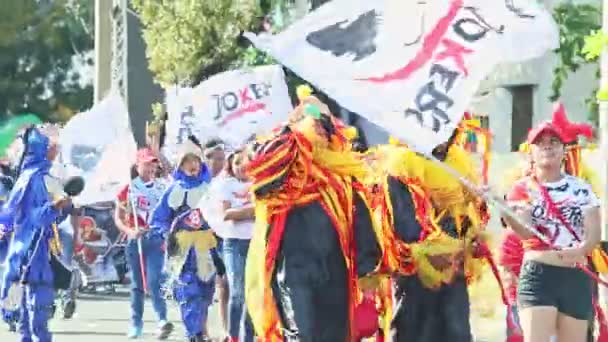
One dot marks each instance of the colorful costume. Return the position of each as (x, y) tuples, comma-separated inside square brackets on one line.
[(314, 235), (430, 221), (33, 216), (191, 253)]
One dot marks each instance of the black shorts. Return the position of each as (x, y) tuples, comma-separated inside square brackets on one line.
[(567, 289)]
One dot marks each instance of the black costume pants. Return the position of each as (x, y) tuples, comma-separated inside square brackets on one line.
[(425, 315)]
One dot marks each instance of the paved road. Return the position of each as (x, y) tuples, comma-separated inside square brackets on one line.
[(102, 318)]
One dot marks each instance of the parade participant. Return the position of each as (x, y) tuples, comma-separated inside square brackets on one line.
[(512, 251), (437, 226), (314, 234), (215, 156), (563, 213), (145, 252), (237, 214), (6, 185), (191, 254), (35, 206)]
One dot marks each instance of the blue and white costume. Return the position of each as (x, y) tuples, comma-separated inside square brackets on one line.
[(32, 214), (191, 248)]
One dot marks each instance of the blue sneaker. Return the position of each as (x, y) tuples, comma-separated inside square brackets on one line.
[(135, 332)]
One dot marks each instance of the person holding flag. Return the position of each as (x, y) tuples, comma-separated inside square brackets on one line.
[(145, 252), (435, 227), (512, 248)]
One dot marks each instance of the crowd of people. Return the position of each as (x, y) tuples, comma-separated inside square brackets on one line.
[(306, 237)]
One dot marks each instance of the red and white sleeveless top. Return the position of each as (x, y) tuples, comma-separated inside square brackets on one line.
[(571, 195), (142, 196)]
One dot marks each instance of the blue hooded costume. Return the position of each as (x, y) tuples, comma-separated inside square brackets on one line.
[(192, 258), (30, 212)]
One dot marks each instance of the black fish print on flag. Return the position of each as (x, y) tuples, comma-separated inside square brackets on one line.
[(356, 38)]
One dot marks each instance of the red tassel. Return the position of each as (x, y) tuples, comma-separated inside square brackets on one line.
[(366, 318), (601, 319), (515, 338)]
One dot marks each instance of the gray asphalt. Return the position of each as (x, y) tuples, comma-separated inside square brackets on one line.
[(105, 318)]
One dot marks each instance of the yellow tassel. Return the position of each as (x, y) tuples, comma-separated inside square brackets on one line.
[(303, 92), (393, 141), (437, 244), (600, 260), (201, 240)]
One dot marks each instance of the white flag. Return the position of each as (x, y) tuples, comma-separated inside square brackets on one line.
[(99, 146), (410, 67), (232, 105)]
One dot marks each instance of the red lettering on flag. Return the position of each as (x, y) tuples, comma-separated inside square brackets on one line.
[(455, 51), (244, 111), (429, 45), (244, 95)]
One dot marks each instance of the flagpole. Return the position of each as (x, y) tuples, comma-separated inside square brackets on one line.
[(603, 123)]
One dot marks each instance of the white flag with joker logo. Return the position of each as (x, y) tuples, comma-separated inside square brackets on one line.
[(410, 67)]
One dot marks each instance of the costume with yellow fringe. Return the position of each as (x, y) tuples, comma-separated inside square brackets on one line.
[(191, 256), (428, 214), (314, 235)]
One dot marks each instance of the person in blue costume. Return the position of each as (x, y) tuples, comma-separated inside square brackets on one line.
[(192, 258), (34, 205), (11, 317)]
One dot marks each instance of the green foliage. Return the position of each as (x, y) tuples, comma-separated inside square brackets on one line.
[(594, 44), (39, 44), (575, 23), (184, 37)]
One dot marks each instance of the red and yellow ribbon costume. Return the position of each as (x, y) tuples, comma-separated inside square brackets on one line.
[(310, 168)]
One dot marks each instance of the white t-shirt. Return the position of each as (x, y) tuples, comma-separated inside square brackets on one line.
[(571, 195), (230, 189)]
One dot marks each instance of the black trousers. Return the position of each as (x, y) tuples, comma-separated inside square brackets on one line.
[(426, 315)]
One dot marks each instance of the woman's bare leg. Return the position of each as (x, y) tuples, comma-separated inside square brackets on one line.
[(571, 329), (539, 323)]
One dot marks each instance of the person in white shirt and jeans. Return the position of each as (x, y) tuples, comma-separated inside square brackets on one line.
[(232, 190)]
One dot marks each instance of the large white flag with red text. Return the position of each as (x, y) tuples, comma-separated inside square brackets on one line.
[(410, 67)]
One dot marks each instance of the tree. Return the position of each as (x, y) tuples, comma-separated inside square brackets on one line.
[(43, 44), (190, 40), (575, 23)]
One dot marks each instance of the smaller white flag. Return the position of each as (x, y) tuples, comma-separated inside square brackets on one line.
[(99, 146), (232, 106)]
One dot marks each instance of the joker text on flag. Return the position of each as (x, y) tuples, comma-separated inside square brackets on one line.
[(232, 105), (410, 68), (98, 145)]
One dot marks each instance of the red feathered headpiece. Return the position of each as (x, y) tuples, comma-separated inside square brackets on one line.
[(570, 130)]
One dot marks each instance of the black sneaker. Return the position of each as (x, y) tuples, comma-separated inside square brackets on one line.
[(165, 330), (68, 309)]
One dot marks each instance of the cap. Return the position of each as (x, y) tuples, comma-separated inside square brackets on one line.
[(145, 155), (545, 127), (86, 221)]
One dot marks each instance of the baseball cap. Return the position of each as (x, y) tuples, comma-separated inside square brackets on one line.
[(545, 127), (145, 155)]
